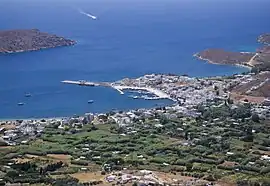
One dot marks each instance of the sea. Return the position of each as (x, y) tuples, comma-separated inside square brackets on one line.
[(129, 38)]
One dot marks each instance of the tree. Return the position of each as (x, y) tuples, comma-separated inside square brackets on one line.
[(265, 170), (255, 118), (163, 120), (12, 174), (94, 127), (120, 130), (189, 166)]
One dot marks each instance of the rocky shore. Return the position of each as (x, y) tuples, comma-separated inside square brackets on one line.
[(220, 56), (257, 59), (12, 41)]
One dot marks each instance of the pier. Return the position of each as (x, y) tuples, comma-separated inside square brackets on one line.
[(120, 88), (158, 93), (86, 83)]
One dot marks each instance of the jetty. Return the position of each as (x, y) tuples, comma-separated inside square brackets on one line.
[(160, 94), (120, 88), (86, 83)]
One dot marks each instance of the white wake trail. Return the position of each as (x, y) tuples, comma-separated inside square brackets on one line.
[(87, 14)]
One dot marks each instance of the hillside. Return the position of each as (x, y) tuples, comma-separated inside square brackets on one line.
[(220, 56), (259, 59), (12, 41)]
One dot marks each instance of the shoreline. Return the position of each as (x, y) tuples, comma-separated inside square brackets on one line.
[(163, 96), (120, 89), (35, 50), (42, 118), (214, 63), (15, 41), (79, 115)]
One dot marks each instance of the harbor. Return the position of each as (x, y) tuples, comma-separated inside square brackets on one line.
[(121, 88)]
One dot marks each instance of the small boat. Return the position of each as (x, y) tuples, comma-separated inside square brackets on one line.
[(82, 82), (134, 97), (20, 104), (90, 101), (28, 95)]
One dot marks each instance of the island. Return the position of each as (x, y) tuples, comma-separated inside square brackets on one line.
[(12, 41)]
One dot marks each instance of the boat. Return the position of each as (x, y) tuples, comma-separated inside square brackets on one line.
[(82, 82), (21, 103), (134, 97), (90, 101), (28, 95)]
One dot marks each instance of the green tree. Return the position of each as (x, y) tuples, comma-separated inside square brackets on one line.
[(12, 174), (255, 118), (189, 166)]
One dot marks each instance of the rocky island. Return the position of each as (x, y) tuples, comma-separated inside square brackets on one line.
[(12, 41)]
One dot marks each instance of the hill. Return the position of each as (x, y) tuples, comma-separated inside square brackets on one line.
[(259, 60), (12, 41)]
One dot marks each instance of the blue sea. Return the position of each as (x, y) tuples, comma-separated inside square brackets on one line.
[(129, 38)]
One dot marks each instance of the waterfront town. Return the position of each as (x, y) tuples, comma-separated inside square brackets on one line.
[(216, 131), (186, 92)]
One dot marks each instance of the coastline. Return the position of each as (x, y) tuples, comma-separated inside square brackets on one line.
[(26, 40), (211, 62), (42, 118), (34, 50)]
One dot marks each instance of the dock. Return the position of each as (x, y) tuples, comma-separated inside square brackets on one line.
[(86, 83), (120, 88), (160, 94)]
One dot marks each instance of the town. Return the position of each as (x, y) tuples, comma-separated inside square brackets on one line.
[(216, 130)]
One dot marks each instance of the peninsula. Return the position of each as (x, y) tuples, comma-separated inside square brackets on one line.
[(12, 41), (220, 56), (258, 59)]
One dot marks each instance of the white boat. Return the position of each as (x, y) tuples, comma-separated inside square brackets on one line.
[(134, 97), (28, 95), (21, 103), (90, 101)]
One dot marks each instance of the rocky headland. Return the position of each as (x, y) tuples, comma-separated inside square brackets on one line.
[(220, 56), (12, 41), (258, 59), (255, 88)]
